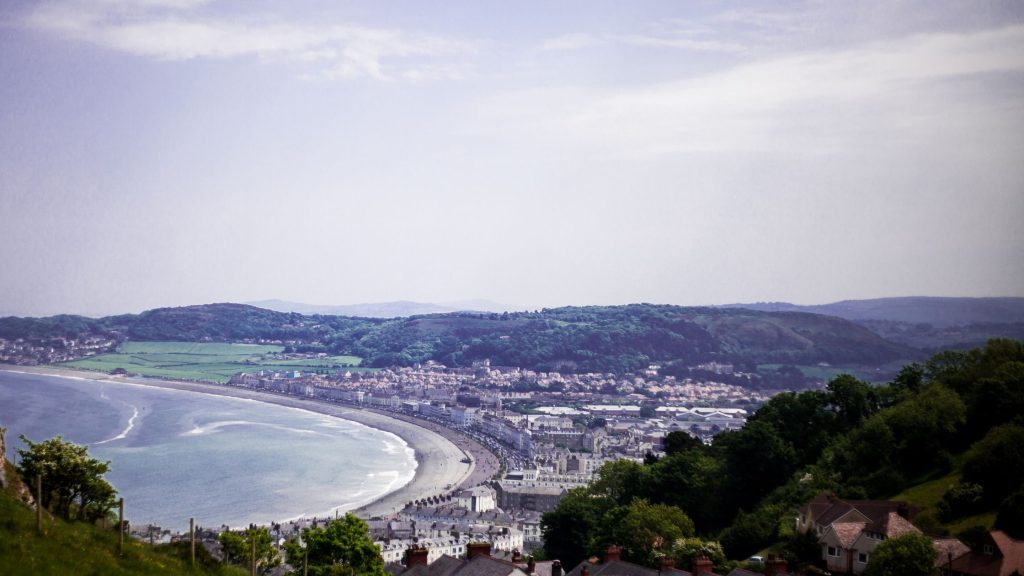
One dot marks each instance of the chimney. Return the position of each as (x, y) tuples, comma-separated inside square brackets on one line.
[(903, 510), (516, 556), (584, 571), (474, 549), (531, 566), (774, 566), (612, 554), (556, 568), (667, 563), (416, 555), (701, 564)]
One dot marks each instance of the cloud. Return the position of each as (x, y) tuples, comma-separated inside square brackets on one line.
[(574, 41), (877, 94), (178, 30), (580, 41)]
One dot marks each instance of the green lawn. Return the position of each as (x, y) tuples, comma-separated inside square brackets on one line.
[(206, 361)]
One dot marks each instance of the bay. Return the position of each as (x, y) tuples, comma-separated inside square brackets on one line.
[(224, 461)]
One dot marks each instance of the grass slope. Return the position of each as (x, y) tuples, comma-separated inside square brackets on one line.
[(77, 548), (927, 495)]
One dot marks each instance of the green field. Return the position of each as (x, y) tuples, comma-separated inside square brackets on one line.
[(206, 361)]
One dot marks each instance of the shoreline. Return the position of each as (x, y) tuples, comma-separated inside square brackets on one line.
[(438, 450)]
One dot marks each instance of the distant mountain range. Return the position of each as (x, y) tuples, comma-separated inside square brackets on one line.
[(937, 311), (923, 322), (396, 309)]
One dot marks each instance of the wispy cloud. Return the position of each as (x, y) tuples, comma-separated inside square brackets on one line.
[(860, 98), (676, 40), (182, 30), (573, 41)]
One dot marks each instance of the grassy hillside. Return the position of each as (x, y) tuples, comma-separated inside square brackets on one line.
[(81, 549)]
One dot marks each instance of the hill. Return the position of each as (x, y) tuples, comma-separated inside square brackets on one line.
[(619, 339), (929, 324), (396, 309)]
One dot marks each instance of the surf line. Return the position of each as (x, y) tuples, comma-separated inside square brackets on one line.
[(124, 433)]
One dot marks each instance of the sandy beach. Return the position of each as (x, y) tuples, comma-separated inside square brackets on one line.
[(439, 450)]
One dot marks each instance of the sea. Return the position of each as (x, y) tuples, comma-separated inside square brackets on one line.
[(176, 455)]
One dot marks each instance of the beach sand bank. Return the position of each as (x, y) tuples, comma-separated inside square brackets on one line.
[(438, 450)]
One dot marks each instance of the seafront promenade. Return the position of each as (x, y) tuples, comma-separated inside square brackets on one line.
[(439, 451)]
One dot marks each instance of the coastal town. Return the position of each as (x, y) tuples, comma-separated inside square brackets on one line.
[(530, 436), (550, 432)]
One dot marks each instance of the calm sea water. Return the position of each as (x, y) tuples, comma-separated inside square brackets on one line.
[(177, 454)]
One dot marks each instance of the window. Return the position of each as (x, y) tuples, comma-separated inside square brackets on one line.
[(862, 557), (988, 549), (833, 551)]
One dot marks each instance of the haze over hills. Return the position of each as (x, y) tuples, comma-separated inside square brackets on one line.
[(937, 311), (923, 322)]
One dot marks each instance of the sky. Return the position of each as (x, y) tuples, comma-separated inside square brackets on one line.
[(174, 152)]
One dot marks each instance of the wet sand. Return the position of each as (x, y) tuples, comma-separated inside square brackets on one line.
[(439, 450)]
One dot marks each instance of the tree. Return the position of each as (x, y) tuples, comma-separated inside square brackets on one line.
[(569, 529), (238, 547), (1010, 518), (997, 461), (908, 555), (73, 484), (685, 550), (645, 530), (678, 441), (342, 547), (853, 400), (758, 460), (620, 481)]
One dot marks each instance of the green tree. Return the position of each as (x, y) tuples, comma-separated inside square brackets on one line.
[(749, 533), (908, 555), (997, 462), (342, 547), (1010, 518), (852, 400), (758, 460), (73, 483), (685, 550), (677, 442), (620, 481), (238, 548), (691, 481), (569, 529), (645, 531)]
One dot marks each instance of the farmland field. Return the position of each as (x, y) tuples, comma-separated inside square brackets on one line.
[(206, 361)]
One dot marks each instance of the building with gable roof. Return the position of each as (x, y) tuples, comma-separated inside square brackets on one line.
[(850, 530), (999, 555)]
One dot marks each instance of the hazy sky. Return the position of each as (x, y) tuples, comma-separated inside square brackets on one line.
[(172, 152)]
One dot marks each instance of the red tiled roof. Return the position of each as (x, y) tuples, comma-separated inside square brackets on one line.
[(1005, 559), (847, 532), (897, 525)]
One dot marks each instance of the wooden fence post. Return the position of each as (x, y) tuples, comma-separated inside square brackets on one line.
[(39, 503), (120, 526)]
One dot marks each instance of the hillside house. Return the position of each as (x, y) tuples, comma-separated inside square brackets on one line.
[(850, 530), (999, 555)]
